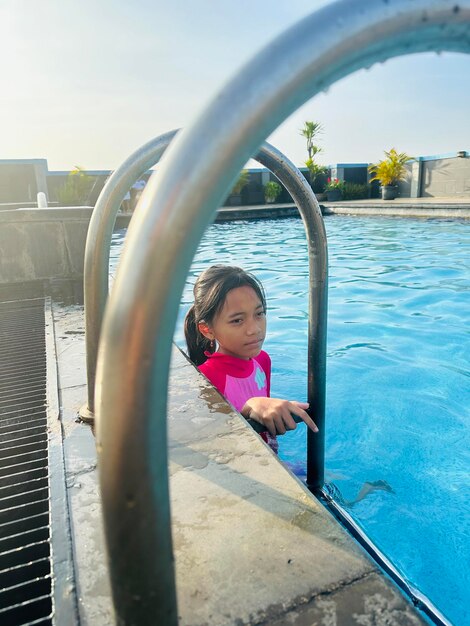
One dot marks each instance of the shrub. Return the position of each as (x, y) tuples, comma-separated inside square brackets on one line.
[(272, 191), (76, 189), (355, 191), (241, 183), (334, 183)]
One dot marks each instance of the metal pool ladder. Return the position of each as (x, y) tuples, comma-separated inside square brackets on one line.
[(96, 285), (176, 207)]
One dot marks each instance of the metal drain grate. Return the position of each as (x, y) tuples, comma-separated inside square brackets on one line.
[(25, 542)]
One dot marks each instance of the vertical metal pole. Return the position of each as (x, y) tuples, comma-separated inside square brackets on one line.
[(317, 333), (308, 207)]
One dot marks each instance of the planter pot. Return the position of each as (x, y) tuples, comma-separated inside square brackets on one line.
[(270, 200), (389, 192), (333, 195), (235, 199), (321, 197)]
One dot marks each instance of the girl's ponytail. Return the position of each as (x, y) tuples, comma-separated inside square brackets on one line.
[(196, 342)]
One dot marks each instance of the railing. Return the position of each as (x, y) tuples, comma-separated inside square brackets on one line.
[(96, 282), (176, 207), (97, 266), (98, 243)]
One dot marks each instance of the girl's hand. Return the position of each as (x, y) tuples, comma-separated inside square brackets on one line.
[(275, 414)]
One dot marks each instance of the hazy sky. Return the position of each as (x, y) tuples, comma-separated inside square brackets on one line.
[(86, 83)]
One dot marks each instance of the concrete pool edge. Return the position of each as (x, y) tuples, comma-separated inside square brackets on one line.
[(47, 245), (427, 208), (229, 493)]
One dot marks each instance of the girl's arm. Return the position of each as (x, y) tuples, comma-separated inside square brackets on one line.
[(275, 414)]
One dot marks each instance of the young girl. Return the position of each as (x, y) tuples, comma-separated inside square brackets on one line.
[(225, 329)]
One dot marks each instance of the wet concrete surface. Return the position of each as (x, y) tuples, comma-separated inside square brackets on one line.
[(251, 544)]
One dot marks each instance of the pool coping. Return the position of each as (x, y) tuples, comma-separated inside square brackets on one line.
[(239, 516), (440, 208)]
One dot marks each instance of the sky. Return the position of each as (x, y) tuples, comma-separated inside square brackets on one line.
[(87, 83)]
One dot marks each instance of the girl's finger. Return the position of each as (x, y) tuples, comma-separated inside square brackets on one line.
[(288, 420), (296, 410), (270, 425), (302, 405), (279, 424)]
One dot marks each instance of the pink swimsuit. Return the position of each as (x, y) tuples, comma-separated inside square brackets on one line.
[(238, 380)]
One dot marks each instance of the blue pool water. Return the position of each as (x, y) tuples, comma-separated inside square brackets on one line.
[(397, 378)]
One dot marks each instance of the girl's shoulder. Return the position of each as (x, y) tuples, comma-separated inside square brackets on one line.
[(264, 360), (213, 372), (231, 365), (223, 364)]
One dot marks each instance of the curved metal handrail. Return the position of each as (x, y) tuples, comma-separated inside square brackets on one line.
[(132, 383), (97, 262), (98, 243), (96, 267), (306, 202)]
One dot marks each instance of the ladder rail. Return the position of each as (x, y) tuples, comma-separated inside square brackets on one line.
[(96, 270)]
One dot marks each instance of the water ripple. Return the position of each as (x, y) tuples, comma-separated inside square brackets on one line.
[(397, 376)]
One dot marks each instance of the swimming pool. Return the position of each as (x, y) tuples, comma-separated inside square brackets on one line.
[(397, 378)]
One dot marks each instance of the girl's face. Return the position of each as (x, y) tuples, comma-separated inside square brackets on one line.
[(240, 326)]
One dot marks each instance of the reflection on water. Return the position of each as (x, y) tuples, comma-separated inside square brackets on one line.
[(397, 377)]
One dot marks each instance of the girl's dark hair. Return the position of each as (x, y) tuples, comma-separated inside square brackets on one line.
[(210, 291)]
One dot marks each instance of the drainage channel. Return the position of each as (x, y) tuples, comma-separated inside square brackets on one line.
[(28, 594)]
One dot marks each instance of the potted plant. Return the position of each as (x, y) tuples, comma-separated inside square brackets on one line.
[(334, 189), (389, 172), (316, 172), (272, 191), (235, 198), (76, 189)]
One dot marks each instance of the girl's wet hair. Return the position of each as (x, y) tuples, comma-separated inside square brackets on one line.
[(210, 291)]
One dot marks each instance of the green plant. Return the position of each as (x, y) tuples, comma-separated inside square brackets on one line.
[(310, 130), (241, 183), (76, 188), (272, 190), (391, 170), (334, 183), (316, 171), (355, 191)]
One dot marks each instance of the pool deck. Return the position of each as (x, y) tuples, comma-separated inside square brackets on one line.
[(400, 207), (440, 208), (251, 544)]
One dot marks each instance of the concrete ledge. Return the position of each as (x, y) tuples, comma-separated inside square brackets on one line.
[(399, 208), (38, 244), (251, 545), (44, 244), (63, 214), (263, 212)]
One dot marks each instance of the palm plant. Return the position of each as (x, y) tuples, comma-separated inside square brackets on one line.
[(392, 170), (310, 130), (242, 182)]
